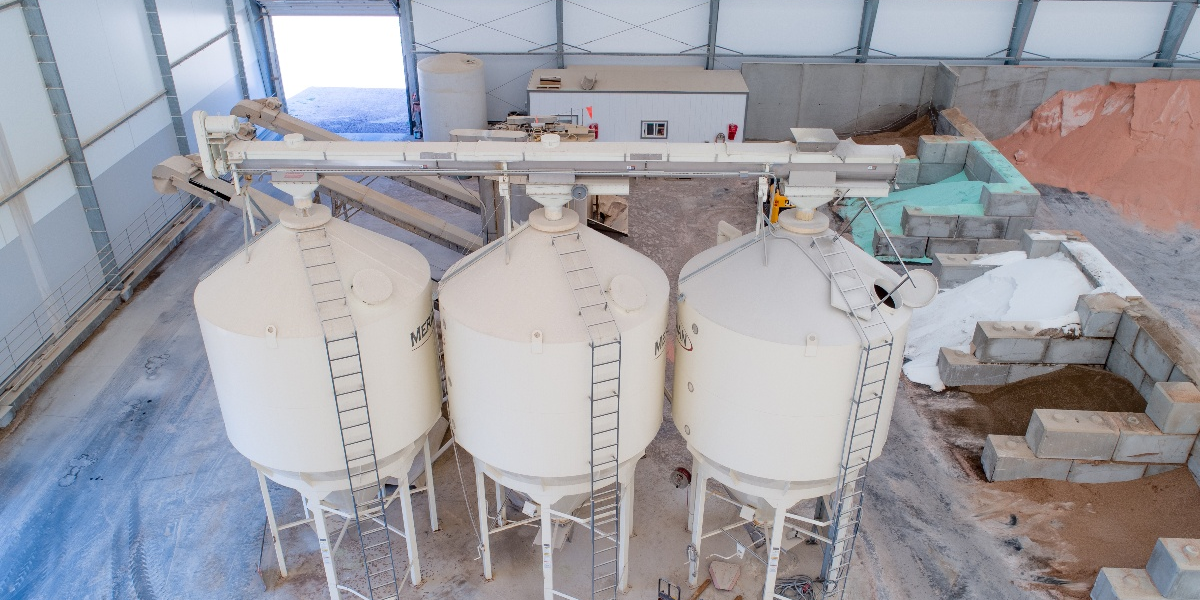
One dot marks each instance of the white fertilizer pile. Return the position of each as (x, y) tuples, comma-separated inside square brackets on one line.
[(1040, 289)]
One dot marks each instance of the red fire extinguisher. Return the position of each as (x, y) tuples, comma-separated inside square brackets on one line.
[(732, 132), (595, 129)]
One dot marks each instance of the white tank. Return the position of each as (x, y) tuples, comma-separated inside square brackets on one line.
[(518, 360), (767, 359), (453, 95), (265, 345)]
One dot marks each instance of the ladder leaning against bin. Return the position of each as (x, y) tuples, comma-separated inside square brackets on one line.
[(605, 401), (866, 400), (354, 419)]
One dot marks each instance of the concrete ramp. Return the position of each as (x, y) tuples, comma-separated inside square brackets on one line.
[(268, 113)]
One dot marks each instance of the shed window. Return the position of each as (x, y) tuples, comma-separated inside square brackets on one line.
[(654, 129)]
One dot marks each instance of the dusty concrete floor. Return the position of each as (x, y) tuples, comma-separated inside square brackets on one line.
[(119, 481)]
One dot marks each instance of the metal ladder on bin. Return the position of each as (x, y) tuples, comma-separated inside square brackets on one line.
[(866, 402), (605, 400), (354, 419)]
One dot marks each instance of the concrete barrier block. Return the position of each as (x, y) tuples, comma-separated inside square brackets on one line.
[(1009, 342), (994, 246), (977, 166), (1087, 471), (1177, 374), (1174, 567), (953, 270), (1148, 353), (956, 152), (906, 246), (1174, 406), (1121, 363), (1078, 351), (951, 246), (1008, 457), (1127, 330), (1017, 227), (1075, 434), (1152, 470), (957, 368), (980, 227), (906, 171), (1017, 372), (1142, 441), (1124, 584), (1038, 243), (915, 222), (935, 172), (932, 148), (1007, 200), (1100, 314)]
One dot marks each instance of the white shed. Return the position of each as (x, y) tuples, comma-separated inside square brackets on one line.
[(677, 104)]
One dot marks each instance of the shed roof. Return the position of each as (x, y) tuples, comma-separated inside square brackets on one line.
[(687, 80)]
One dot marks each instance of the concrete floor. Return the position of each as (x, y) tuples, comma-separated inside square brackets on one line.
[(119, 481)]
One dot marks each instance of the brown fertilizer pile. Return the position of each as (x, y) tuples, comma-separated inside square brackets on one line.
[(906, 137), (1068, 531), (1006, 410), (1136, 146)]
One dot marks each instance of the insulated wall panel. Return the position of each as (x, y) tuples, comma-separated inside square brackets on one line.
[(479, 25), (25, 115), (187, 24), (254, 77), (977, 28), (1190, 48), (104, 54), (665, 27), (1097, 30), (199, 76), (801, 27)]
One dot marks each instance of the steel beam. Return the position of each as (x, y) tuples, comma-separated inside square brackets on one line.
[(714, 13), (558, 44), (1022, 22), (258, 35), (408, 52), (235, 39), (1177, 27), (866, 29), (168, 79), (51, 77)]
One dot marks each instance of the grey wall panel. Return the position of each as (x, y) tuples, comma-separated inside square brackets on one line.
[(830, 95), (18, 294), (891, 93), (125, 189), (773, 103), (63, 242)]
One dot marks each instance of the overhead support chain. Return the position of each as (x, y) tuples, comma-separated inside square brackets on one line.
[(262, 50), (714, 12), (168, 79), (1022, 23), (235, 39), (558, 45), (408, 53), (1178, 22), (866, 29), (44, 52)]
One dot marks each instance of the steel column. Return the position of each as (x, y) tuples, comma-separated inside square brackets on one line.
[(1022, 22), (866, 29), (1173, 34), (410, 529), (168, 79), (44, 53), (485, 535), (258, 35), (236, 40), (262, 485), (714, 11), (408, 54), (558, 44)]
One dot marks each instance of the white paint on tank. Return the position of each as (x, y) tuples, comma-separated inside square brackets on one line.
[(269, 364), (765, 365), (453, 95), (520, 404)]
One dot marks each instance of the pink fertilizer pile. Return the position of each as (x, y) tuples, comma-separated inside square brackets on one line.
[(1136, 146)]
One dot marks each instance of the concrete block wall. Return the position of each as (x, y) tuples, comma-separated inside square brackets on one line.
[(1172, 572)]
